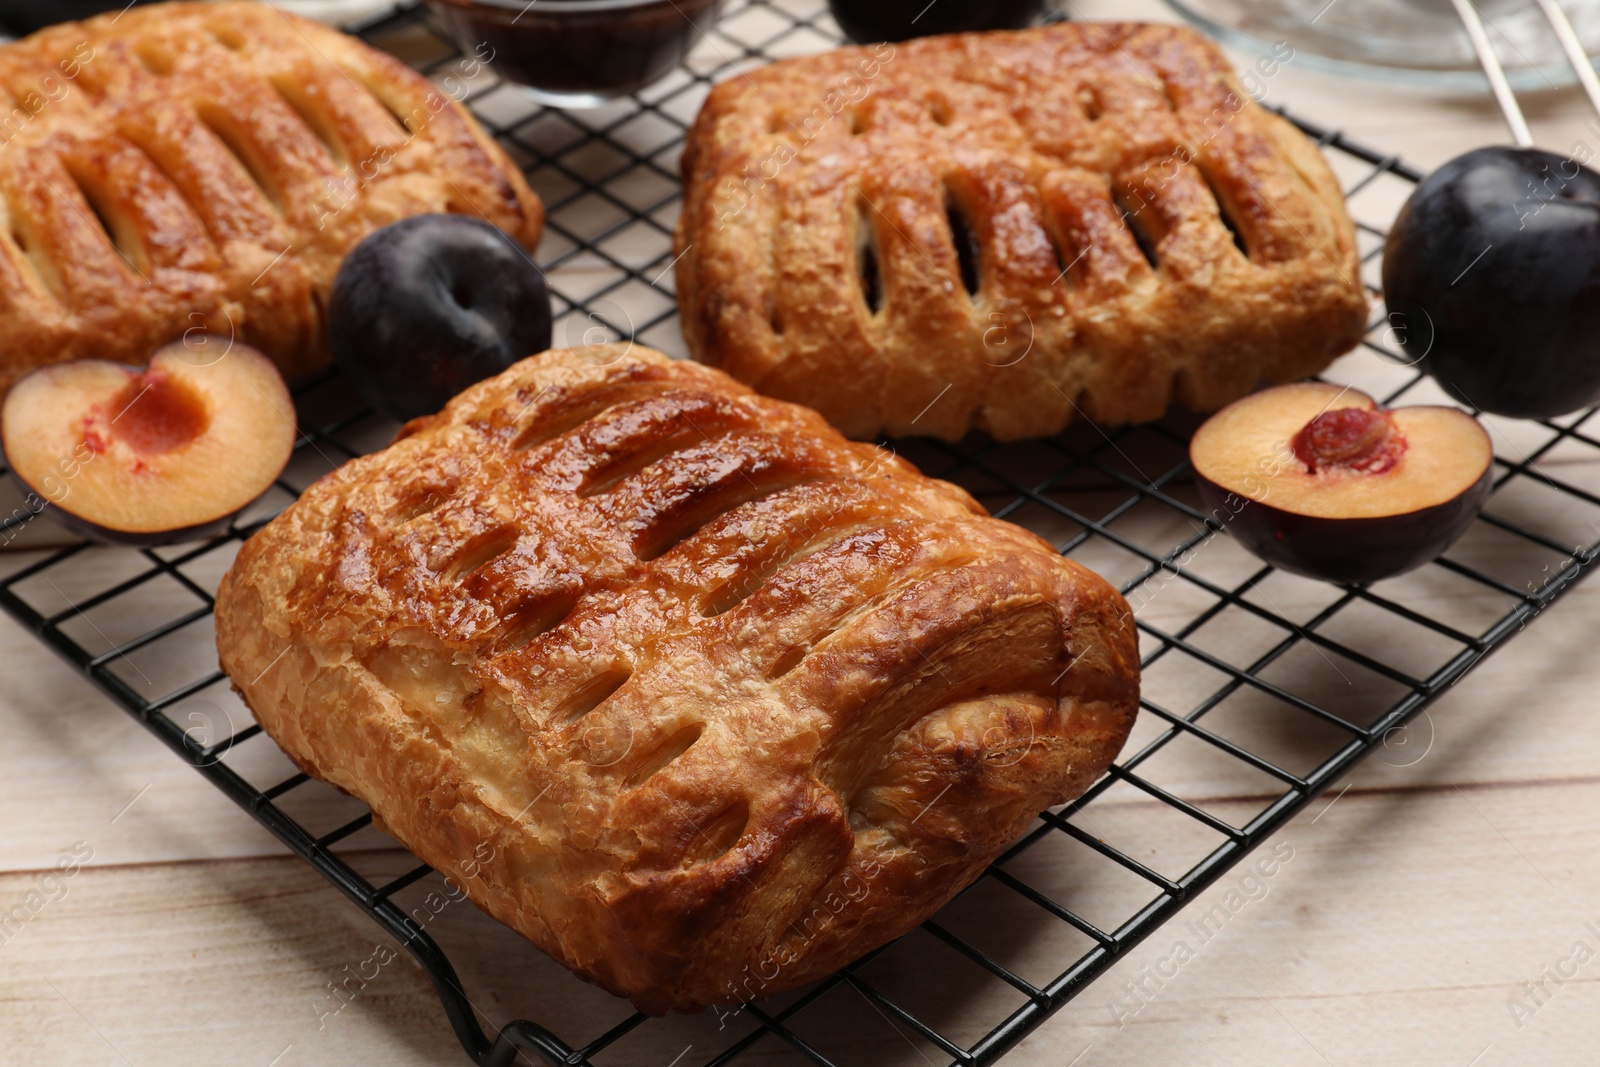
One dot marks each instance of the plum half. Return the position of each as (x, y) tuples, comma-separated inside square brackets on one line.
[(1319, 480), (153, 455)]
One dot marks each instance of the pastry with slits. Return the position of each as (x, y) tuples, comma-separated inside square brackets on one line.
[(700, 697), (1006, 231), (196, 166)]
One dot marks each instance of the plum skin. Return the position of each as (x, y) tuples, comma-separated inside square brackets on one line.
[(867, 21), (427, 306), (105, 535), (1347, 551), (1517, 333)]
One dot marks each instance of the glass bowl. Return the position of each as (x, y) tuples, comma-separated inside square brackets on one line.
[(1415, 41), (578, 53)]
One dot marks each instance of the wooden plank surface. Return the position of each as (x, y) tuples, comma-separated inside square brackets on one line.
[(1439, 907)]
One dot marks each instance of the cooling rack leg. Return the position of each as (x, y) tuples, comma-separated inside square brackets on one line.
[(528, 1037)]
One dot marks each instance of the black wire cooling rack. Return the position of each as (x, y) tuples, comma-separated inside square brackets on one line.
[(1260, 689)]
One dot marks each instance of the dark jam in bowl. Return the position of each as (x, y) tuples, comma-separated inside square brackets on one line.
[(578, 50), (25, 16), (897, 20)]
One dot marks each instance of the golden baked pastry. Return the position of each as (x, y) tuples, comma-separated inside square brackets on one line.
[(194, 166), (1003, 231), (703, 699)]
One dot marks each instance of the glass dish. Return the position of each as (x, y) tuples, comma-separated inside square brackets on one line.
[(1415, 41)]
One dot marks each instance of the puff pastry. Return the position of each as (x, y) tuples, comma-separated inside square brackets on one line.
[(700, 697), (193, 166), (1003, 231)]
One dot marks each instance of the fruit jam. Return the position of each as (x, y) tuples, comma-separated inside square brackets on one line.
[(603, 47), (898, 20)]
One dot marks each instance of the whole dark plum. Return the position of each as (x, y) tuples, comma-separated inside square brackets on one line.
[(898, 20), (427, 306), (1492, 278)]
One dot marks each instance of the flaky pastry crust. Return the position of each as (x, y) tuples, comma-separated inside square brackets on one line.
[(703, 699), (193, 166), (1079, 179)]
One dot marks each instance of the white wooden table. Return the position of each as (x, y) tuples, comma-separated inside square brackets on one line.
[(1407, 912)]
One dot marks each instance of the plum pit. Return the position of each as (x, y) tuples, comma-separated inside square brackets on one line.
[(1361, 440), (155, 413)]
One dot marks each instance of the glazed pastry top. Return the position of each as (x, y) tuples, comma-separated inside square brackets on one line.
[(1006, 231), (198, 166), (685, 662)]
